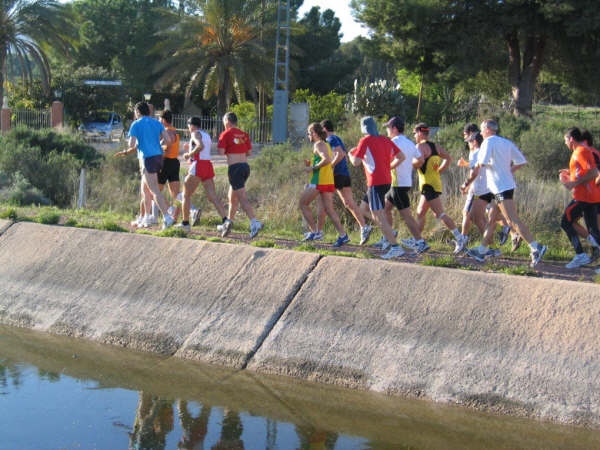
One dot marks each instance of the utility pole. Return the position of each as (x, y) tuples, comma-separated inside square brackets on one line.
[(282, 68)]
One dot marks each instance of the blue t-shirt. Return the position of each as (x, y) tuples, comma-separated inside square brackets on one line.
[(147, 131), (340, 168)]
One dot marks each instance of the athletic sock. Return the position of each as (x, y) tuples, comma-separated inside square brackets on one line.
[(456, 233)]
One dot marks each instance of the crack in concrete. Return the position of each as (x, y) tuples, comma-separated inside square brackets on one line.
[(5, 228), (279, 313)]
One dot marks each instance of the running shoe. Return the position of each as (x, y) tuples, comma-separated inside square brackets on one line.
[(492, 253), (538, 254), (137, 222), (309, 236), (226, 227), (341, 240), (515, 242), (410, 243), (580, 259), (146, 221), (153, 220), (365, 232), (503, 236), (595, 253), (380, 243), (317, 236), (422, 246), (194, 216), (186, 228), (460, 243), (255, 227), (387, 244), (394, 252), (167, 221), (476, 254), (592, 241)]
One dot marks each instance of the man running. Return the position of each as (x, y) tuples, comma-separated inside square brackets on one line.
[(170, 170), (201, 171), (378, 155), (341, 178), (586, 194), (321, 185), (144, 137), (501, 158), (436, 161), (397, 196), (236, 145)]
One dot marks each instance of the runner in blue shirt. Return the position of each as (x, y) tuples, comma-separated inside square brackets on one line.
[(341, 176)]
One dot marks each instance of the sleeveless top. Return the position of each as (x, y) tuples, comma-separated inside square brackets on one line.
[(324, 175), (428, 172)]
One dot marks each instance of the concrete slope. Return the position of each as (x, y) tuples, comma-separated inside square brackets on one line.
[(513, 344), (214, 302), (4, 225)]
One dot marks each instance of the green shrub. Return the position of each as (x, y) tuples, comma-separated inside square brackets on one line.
[(48, 218), (10, 213), (329, 106), (378, 98), (19, 191)]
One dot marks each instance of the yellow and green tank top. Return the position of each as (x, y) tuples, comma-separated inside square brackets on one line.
[(324, 175), (428, 172)]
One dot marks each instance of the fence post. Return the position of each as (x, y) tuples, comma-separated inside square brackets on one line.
[(5, 116), (57, 114), (81, 200)]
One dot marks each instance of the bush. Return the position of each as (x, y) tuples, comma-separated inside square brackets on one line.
[(18, 191), (329, 106), (378, 98)]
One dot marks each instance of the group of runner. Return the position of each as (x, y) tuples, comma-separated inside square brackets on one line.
[(157, 146), (388, 164)]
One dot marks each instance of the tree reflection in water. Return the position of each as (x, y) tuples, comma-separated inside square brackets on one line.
[(194, 428), (153, 421)]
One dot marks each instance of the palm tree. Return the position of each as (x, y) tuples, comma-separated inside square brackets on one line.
[(28, 30), (219, 49)]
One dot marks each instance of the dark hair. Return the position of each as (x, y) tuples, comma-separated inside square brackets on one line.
[(167, 116), (397, 122), (142, 108), (230, 117), (587, 136), (423, 128), (317, 128), (471, 128), (195, 120), (574, 133), (479, 139), (327, 125)]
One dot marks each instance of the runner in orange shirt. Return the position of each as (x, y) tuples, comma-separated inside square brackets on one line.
[(580, 178)]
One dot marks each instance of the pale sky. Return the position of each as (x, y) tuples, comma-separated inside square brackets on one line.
[(350, 28)]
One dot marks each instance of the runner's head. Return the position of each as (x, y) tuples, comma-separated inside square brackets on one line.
[(475, 140), (489, 127), (142, 109), (587, 138), (469, 129), (395, 126), (421, 132), (368, 126), (316, 132), (166, 117), (230, 120), (194, 123), (573, 137), (327, 125)]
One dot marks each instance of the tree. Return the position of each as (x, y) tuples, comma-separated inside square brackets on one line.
[(28, 30), (220, 50), (461, 38)]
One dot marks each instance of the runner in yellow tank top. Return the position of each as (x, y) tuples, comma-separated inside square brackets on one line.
[(430, 183), (321, 185)]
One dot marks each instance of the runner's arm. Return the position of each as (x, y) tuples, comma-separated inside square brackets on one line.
[(418, 162), (589, 175), (356, 162), (338, 154), (166, 136), (132, 147), (398, 159), (447, 159)]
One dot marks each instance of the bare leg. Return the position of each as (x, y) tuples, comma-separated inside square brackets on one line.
[(422, 209), (321, 214), (244, 203), (327, 200), (508, 209), (233, 203), (306, 199), (388, 213), (151, 180), (348, 201), (211, 194), (189, 187), (411, 223), (478, 215), (438, 210), (386, 228)]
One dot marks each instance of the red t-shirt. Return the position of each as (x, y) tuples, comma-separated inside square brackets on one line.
[(376, 153), (234, 140), (582, 160)]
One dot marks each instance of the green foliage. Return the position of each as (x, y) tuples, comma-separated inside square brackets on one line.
[(378, 98), (440, 261), (264, 243), (9, 213), (17, 190), (108, 225), (329, 106), (48, 218)]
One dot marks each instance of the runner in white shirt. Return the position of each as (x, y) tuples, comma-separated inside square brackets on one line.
[(501, 158), (402, 177)]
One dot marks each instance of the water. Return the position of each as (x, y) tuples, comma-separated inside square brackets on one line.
[(60, 393)]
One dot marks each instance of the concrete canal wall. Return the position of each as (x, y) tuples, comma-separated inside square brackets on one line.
[(512, 344)]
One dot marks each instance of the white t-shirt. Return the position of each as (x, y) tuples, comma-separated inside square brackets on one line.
[(204, 154), (479, 185), (497, 153), (402, 173)]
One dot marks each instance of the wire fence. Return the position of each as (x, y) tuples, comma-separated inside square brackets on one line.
[(31, 118), (259, 132)]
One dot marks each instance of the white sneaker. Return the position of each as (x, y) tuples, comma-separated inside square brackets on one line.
[(255, 227), (317, 236), (137, 222), (580, 259), (460, 243), (186, 228), (153, 219), (146, 221), (592, 241), (168, 221), (194, 216), (394, 252), (365, 232), (226, 227)]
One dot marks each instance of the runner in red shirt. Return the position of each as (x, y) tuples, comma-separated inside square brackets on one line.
[(581, 177), (378, 155)]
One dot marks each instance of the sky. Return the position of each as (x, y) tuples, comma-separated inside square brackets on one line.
[(350, 28)]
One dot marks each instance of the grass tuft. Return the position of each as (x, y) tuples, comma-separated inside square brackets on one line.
[(10, 213), (441, 261), (48, 218), (263, 243)]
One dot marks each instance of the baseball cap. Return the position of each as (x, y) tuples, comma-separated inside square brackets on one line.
[(395, 121), (422, 127), (368, 126)]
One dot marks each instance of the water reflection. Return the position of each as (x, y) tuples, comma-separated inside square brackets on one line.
[(153, 421), (194, 428)]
